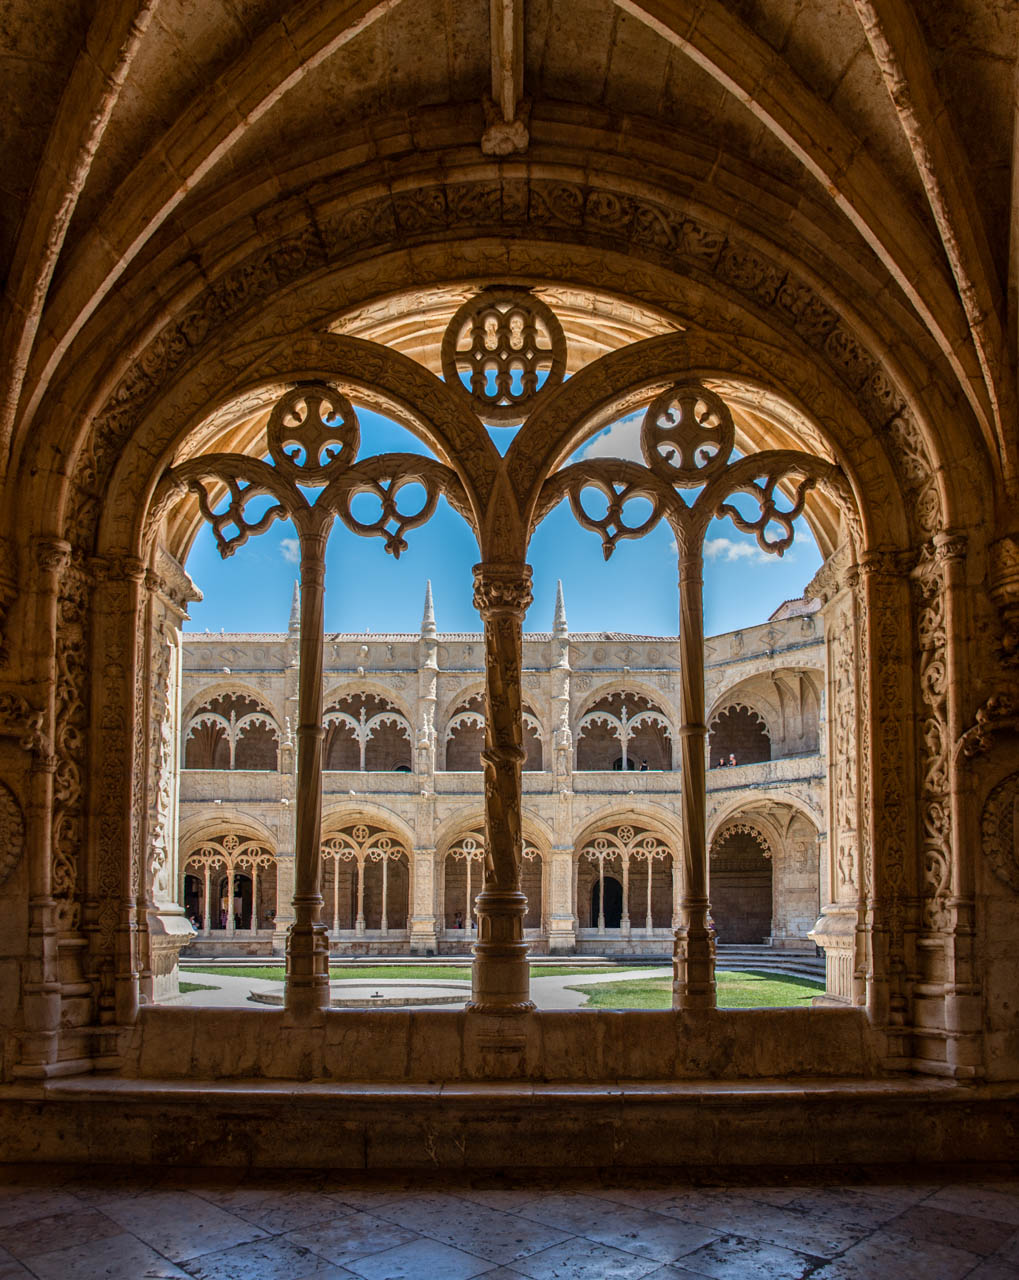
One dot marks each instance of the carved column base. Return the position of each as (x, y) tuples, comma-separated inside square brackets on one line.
[(836, 934), (307, 991), (693, 960), (169, 932), (500, 975)]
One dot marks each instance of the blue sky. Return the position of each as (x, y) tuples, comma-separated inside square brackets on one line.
[(366, 589)]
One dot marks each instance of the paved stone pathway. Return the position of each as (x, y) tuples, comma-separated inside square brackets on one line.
[(72, 1224), (547, 993)]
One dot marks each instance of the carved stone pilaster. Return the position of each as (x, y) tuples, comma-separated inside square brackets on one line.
[(502, 594), (8, 590)]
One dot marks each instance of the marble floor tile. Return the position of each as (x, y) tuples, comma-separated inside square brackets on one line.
[(926, 1224), (733, 1258), (351, 1234), (11, 1268), (419, 1259), (181, 1225), (269, 1259), (884, 1255), (275, 1210), (63, 1230), (650, 1235), (740, 1215), (1000, 1203), (121, 1257), (585, 1260), (28, 1204), (489, 1233), (989, 1269)]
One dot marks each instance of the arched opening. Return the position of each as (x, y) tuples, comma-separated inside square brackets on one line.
[(607, 912), (365, 883), (465, 737), (741, 886), (232, 731), (624, 731), (738, 736), (366, 733), (194, 900)]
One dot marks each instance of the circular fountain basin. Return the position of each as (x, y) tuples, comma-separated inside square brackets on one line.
[(382, 994)]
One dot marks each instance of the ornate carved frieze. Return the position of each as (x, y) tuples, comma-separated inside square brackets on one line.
[(70, 738), (21, 721), (933, 741), (513, 207), (1004, 584), (999, 714), (12, 832), (8, 590)]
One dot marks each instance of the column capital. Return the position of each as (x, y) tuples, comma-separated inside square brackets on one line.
[(502, 587), (51, 554)]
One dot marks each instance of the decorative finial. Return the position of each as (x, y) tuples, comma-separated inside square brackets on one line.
[(559, 627), (295, 608), (428, 619)]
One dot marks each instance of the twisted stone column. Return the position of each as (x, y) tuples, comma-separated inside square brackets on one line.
[(693, 984), (307, 989), (502, 593)]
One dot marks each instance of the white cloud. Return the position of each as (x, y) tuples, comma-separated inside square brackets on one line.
[(291, 549), (726, 550), (621, 440)]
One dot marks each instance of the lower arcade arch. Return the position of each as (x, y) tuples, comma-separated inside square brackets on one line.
[(229, 885), (462, 864), (365, 882), (626, 883)]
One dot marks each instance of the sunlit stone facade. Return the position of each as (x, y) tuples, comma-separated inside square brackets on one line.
[(403, 812)]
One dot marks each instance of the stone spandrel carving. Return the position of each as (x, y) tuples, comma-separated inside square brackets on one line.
[(12, 833), (999, 831)]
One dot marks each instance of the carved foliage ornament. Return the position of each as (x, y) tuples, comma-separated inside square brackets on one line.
[(12, 833), (999, 829)]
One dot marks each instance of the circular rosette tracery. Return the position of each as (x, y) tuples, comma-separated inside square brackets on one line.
[(503, 349), (313, 433), (382, 479), (687, 435)]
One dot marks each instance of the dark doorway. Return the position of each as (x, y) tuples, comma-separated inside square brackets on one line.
[(613, 903), (740, 890)]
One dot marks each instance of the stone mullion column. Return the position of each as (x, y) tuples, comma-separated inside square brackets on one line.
[(890, 812), (207, 912), (359, 918), (840, 928), (115, 855), (963, 1011), (693, 983), (624, 923), (42, 987), (423, 935), (502, 594), (307, 991)]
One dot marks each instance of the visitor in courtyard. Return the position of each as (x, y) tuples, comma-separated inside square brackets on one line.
[(732, 758)]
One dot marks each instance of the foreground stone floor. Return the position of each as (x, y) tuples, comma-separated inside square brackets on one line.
[(74, 1224)]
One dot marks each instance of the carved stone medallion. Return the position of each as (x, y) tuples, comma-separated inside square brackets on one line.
[(999, 829), (503, 348)]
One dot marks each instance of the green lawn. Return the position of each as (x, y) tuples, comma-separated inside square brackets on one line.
[(749, 990), (422, 972), (185, 987)]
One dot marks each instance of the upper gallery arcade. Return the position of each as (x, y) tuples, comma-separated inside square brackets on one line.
[(778, 238)]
